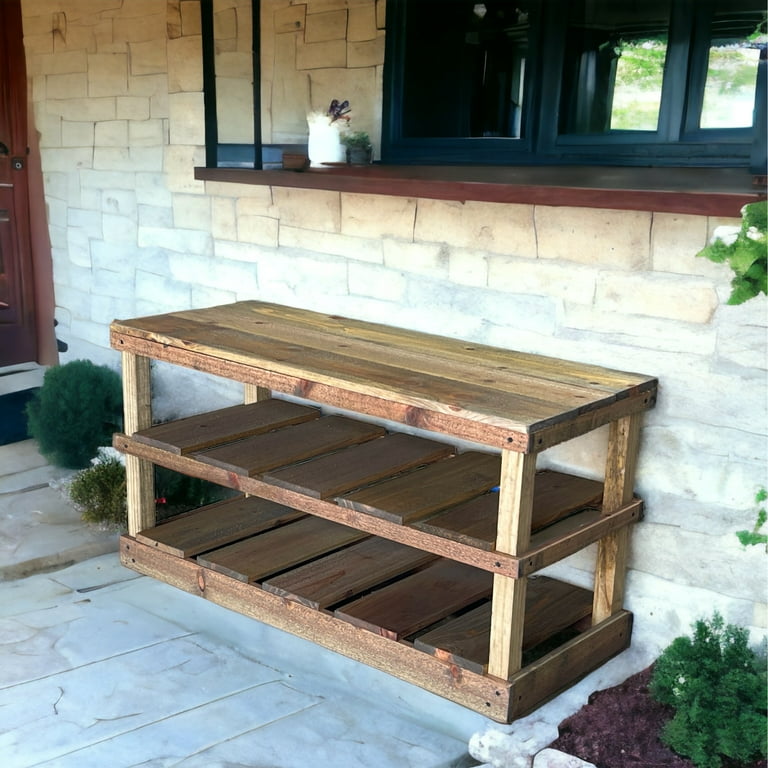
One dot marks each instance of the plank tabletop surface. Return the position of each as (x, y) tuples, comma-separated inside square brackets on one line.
[(475, 382)]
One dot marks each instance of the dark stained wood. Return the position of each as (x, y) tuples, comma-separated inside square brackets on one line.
[(559, 669), (260, 556), (417, 601), (481, 393), (550, 607), (556, 495), (204, 430), (700, 191), (216, 525), (347, 573), (360, 465), (437, 486), (479, 693), (255, 455)]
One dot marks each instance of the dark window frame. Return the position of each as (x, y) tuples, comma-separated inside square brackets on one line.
[(540, 143)]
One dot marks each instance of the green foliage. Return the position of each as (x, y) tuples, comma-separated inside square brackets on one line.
[(99, 493), (754, 537), (716, 684), (76, 410), (746, 251), (355, 139), (176, 493)]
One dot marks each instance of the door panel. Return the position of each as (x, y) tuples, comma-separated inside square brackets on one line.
[(18, 342)]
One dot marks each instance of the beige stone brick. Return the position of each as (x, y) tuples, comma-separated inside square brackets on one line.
[(618, 239), (323, 6), (688, 299), (494, 227), (179, 163), (112, 133), (377, 216), (49, 127), (256, 205), (70, 86), (158, 107), (173, 22), (372, 280), (225, 24), (431, 259), (308, 208), (148, 58), (332, 53), (192, 211), (35, 44), (357, 248), (77, 134), (151, 26), (223, 219), (185, 64), (290, 19), (57, 63), (82, 109), (42, 23), (234, 100), (321, 27), (128, 159), (226, 189), (675, 239), (381, 13), (468, 268), (367, 53), (362, 23), (259, 230), (107, 74), (132, 108), (289, 94), (66, 159), (359, 86), (187, 124), (542, 278), (190, 17), (152, 86), (145, 133)]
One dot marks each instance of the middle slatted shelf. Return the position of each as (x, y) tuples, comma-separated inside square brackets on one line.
[(433, 603)]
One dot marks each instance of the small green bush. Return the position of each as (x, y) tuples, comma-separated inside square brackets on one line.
[(99, 493), (76, 410), (717, 686)]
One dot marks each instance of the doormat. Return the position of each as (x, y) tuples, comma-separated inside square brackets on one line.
[(13, 418)]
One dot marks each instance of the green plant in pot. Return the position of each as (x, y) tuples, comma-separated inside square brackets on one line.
[(358, 147)]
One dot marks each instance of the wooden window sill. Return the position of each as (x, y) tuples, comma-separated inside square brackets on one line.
[(699, 191)]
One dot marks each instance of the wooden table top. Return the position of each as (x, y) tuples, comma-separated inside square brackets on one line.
[(486, 394)]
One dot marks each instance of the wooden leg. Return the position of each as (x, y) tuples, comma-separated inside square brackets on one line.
[(252, 393), (512, 537), (137, 404), (613, 550)]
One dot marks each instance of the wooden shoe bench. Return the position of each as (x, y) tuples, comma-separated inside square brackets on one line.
[(415, 551)]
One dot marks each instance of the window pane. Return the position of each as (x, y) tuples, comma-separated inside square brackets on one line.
[(614, 65), (465, 65), (734, 51)]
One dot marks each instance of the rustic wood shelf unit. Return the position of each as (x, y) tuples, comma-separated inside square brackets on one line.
[(388, 503)]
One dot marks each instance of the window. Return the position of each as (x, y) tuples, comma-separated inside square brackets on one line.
[(510, 82), (575, 81)]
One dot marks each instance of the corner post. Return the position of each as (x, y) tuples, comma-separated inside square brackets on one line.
[(613, 549), (139, 473), (512, 537)]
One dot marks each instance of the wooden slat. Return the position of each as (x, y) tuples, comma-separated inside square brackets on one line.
[(204, 430), (260, 556), (440, 485), (255, 455), (550, 607), (360, 465), (417, 601), (481, 694), (556, 495), (216, 525), (348, 573)]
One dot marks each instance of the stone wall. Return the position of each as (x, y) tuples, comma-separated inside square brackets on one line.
[(116, 86)]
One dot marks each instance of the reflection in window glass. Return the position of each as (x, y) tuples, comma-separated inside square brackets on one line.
[(465, 73), (734, 52), (614, 66)]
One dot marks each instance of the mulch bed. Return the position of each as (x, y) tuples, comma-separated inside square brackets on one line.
[(619, 728)]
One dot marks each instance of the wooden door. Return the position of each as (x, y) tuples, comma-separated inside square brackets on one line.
[(18, 342)]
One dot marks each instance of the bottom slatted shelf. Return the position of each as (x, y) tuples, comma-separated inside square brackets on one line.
[(343, 588)]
